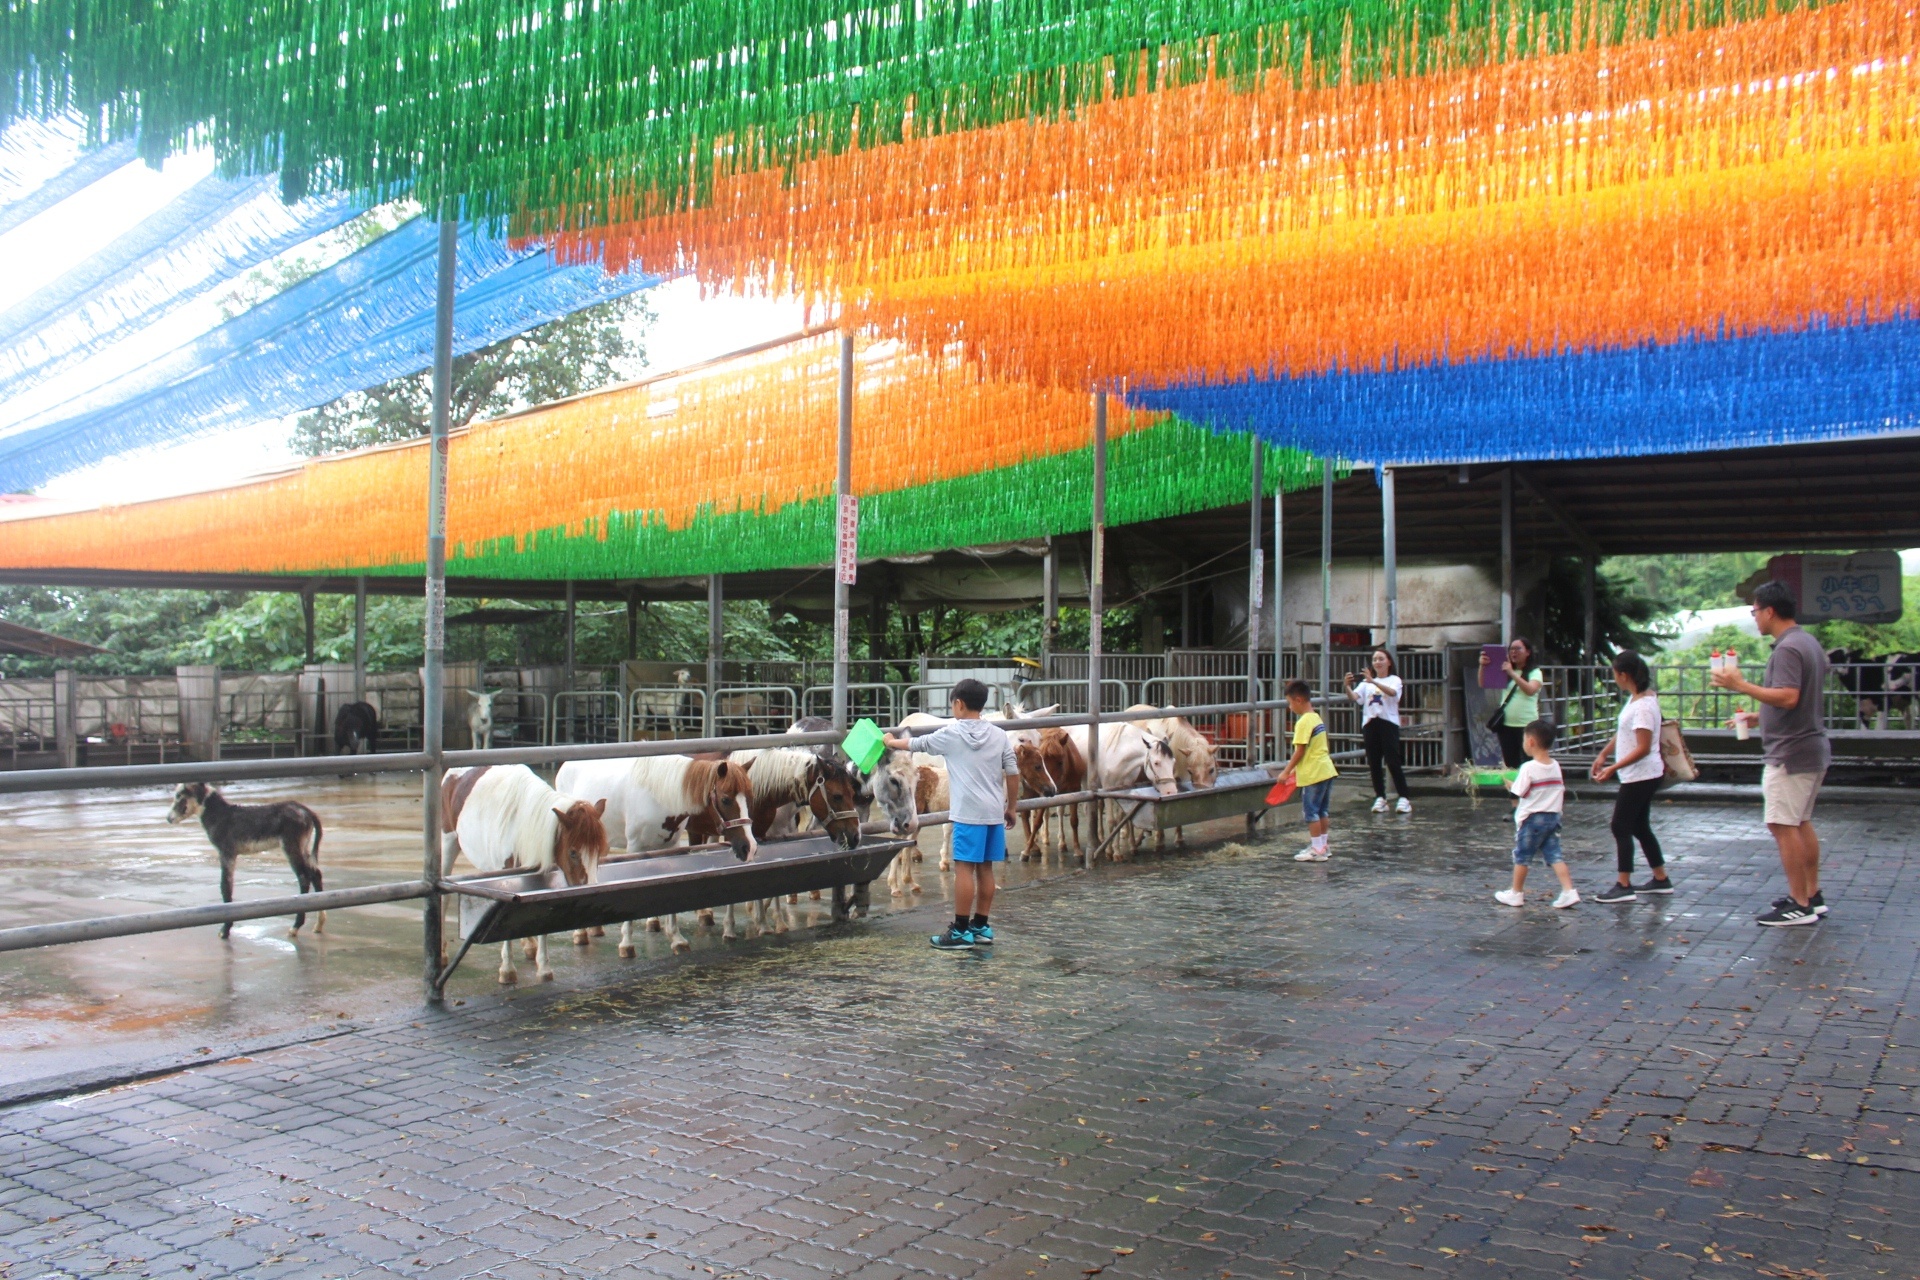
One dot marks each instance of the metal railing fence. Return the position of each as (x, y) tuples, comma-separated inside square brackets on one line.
[(1071, 695), (587, 715), (657, 712), (754, 709), (871, 700)]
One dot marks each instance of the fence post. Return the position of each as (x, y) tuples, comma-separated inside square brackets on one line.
[(1096, 603), (360, 639), (1049, 608), (66, 718), (432, 683), (1256, 585), (1326, 589), (1506, 556), (715, 640), (1390, 540), (845, 557)]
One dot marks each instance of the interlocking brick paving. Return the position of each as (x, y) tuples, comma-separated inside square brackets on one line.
[(1226, 1064)]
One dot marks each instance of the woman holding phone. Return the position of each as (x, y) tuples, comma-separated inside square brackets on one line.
[(1636, 763), (1521, 705), (1377, 690)]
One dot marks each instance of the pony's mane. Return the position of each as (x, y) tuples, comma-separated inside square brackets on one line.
[(777, 771), (679, 783), (698, 783)]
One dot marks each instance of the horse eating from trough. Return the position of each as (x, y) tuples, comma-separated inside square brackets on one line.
[(504, 816), (649, 798), (235, 829)]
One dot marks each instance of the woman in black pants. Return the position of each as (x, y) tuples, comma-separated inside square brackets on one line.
[(1636, 763), (1520, 706), (1378, 693)]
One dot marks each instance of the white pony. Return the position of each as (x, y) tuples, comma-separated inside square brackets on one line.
[(1129, 757), (504, 816), (648, 799), (1194, 762)]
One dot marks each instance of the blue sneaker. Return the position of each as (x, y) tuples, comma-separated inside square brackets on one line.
[(952, 940), (982, 935)]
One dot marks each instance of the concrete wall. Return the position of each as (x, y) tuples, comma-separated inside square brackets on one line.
[(1463, 600)]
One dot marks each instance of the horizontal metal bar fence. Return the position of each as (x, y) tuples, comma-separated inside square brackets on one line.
[(867, 700), (587, 715), (744, 709), (937, 699), (1071, 695), (98, 927)]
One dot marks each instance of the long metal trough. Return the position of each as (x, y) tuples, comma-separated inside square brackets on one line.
[(1237, 791), (515, 904)]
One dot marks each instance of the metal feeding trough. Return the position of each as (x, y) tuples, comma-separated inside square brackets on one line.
[(1237, 792), (518, 904)]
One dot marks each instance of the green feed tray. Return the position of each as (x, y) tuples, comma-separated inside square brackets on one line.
[(864, 745), (1494, 777)]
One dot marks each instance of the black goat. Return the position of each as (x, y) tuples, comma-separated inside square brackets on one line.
[(356, 729), (235, 829)]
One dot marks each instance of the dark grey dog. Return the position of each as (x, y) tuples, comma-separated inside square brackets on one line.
[(235, 829)]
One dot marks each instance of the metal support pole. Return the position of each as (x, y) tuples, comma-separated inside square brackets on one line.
[(715, 641), (1049, 608), (432, 667), (573, 622), (1590, 609), (1506, 556), (1326, 588), (1279, 585), (306, 616), (633, 626), (1390, 539), (1186, 606), (843, 495), (1096, 603), (359, 639), (1256, 590)]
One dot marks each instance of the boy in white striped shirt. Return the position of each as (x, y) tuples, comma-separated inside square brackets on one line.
[(1540, 794)]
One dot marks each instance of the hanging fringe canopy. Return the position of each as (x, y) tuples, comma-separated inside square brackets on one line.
[(178, 327), (727, 468)]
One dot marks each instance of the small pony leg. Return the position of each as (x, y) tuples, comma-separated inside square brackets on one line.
[(540, 964), (676, 939), (627, 950), (581, 937), (726, 931), (508, 974)]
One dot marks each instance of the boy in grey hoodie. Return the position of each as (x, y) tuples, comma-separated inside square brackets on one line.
[(983, 782)]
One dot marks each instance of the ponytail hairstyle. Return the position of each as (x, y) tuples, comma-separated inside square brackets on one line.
[(1634, 668)]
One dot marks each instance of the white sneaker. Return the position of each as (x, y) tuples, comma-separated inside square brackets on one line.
[(1405, 806), (1510, 898), (1567, 898), (1379, 804), (1305, 855)]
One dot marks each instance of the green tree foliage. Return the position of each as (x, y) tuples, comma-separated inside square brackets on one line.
[(1682, 583), (1622, 612), (588, 349)]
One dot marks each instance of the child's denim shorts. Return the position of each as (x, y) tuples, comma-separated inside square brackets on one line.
[(1316, 800), (1538, 836)]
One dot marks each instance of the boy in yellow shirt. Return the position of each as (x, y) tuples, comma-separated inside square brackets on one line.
[(1312, 768)]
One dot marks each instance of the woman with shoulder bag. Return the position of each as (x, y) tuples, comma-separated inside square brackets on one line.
[(1636, 763), (1521, 705), (1378, 693)]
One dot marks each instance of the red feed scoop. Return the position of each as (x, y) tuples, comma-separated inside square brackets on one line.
[(1282, 791)]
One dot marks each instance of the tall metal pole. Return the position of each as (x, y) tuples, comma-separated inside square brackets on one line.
[(1390, 539), (1326, 588), (715, 640), (1096, 606), (1256, 589), (359, 639), (1049, 608), (573, 623), (1506, 556), (845, 515), (1279, 584), (432, 683), (1589, 609)]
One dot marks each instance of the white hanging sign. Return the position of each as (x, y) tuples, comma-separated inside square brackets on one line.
[(1259, 579), (847, 553)]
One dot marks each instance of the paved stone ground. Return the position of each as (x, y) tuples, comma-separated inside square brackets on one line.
[(1227, 1064)]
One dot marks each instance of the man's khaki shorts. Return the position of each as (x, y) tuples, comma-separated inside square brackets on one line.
[(1789, 796)]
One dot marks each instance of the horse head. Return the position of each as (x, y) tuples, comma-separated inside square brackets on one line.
[(1198, 753), (1034, 774), (730, 806), (189, 799), (891, 783), (580, 841), (831, 796), (1160, 765)]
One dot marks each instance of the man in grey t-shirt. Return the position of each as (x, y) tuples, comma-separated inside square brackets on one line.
[(1797, 751)]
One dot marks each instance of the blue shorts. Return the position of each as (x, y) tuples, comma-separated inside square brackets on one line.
[(1317, 799), (976, 843), (1538, 836)]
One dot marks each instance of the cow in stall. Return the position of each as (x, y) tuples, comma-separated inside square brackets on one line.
[(1882, 687), (503, 817)]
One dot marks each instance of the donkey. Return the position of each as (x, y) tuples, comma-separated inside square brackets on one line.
[(891, 783), (648, 798), (235, 829), (356, 730), (503, 817)]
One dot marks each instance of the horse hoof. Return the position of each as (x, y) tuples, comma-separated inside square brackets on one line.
[(581, 938), (628, 951), (320, 924), (914, 888), (598, 931), (547, 976), (681, 947), (508, 977), (815, 895), (654, 926)]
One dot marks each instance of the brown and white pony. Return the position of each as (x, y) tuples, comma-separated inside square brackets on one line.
[(1066, 769), (503, 816), (649, 799)]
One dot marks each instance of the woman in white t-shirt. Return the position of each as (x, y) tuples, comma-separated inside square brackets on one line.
[(1378, 693), (1636, 763)]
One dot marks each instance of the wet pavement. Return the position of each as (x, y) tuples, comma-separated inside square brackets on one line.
[(1224, 1064)]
